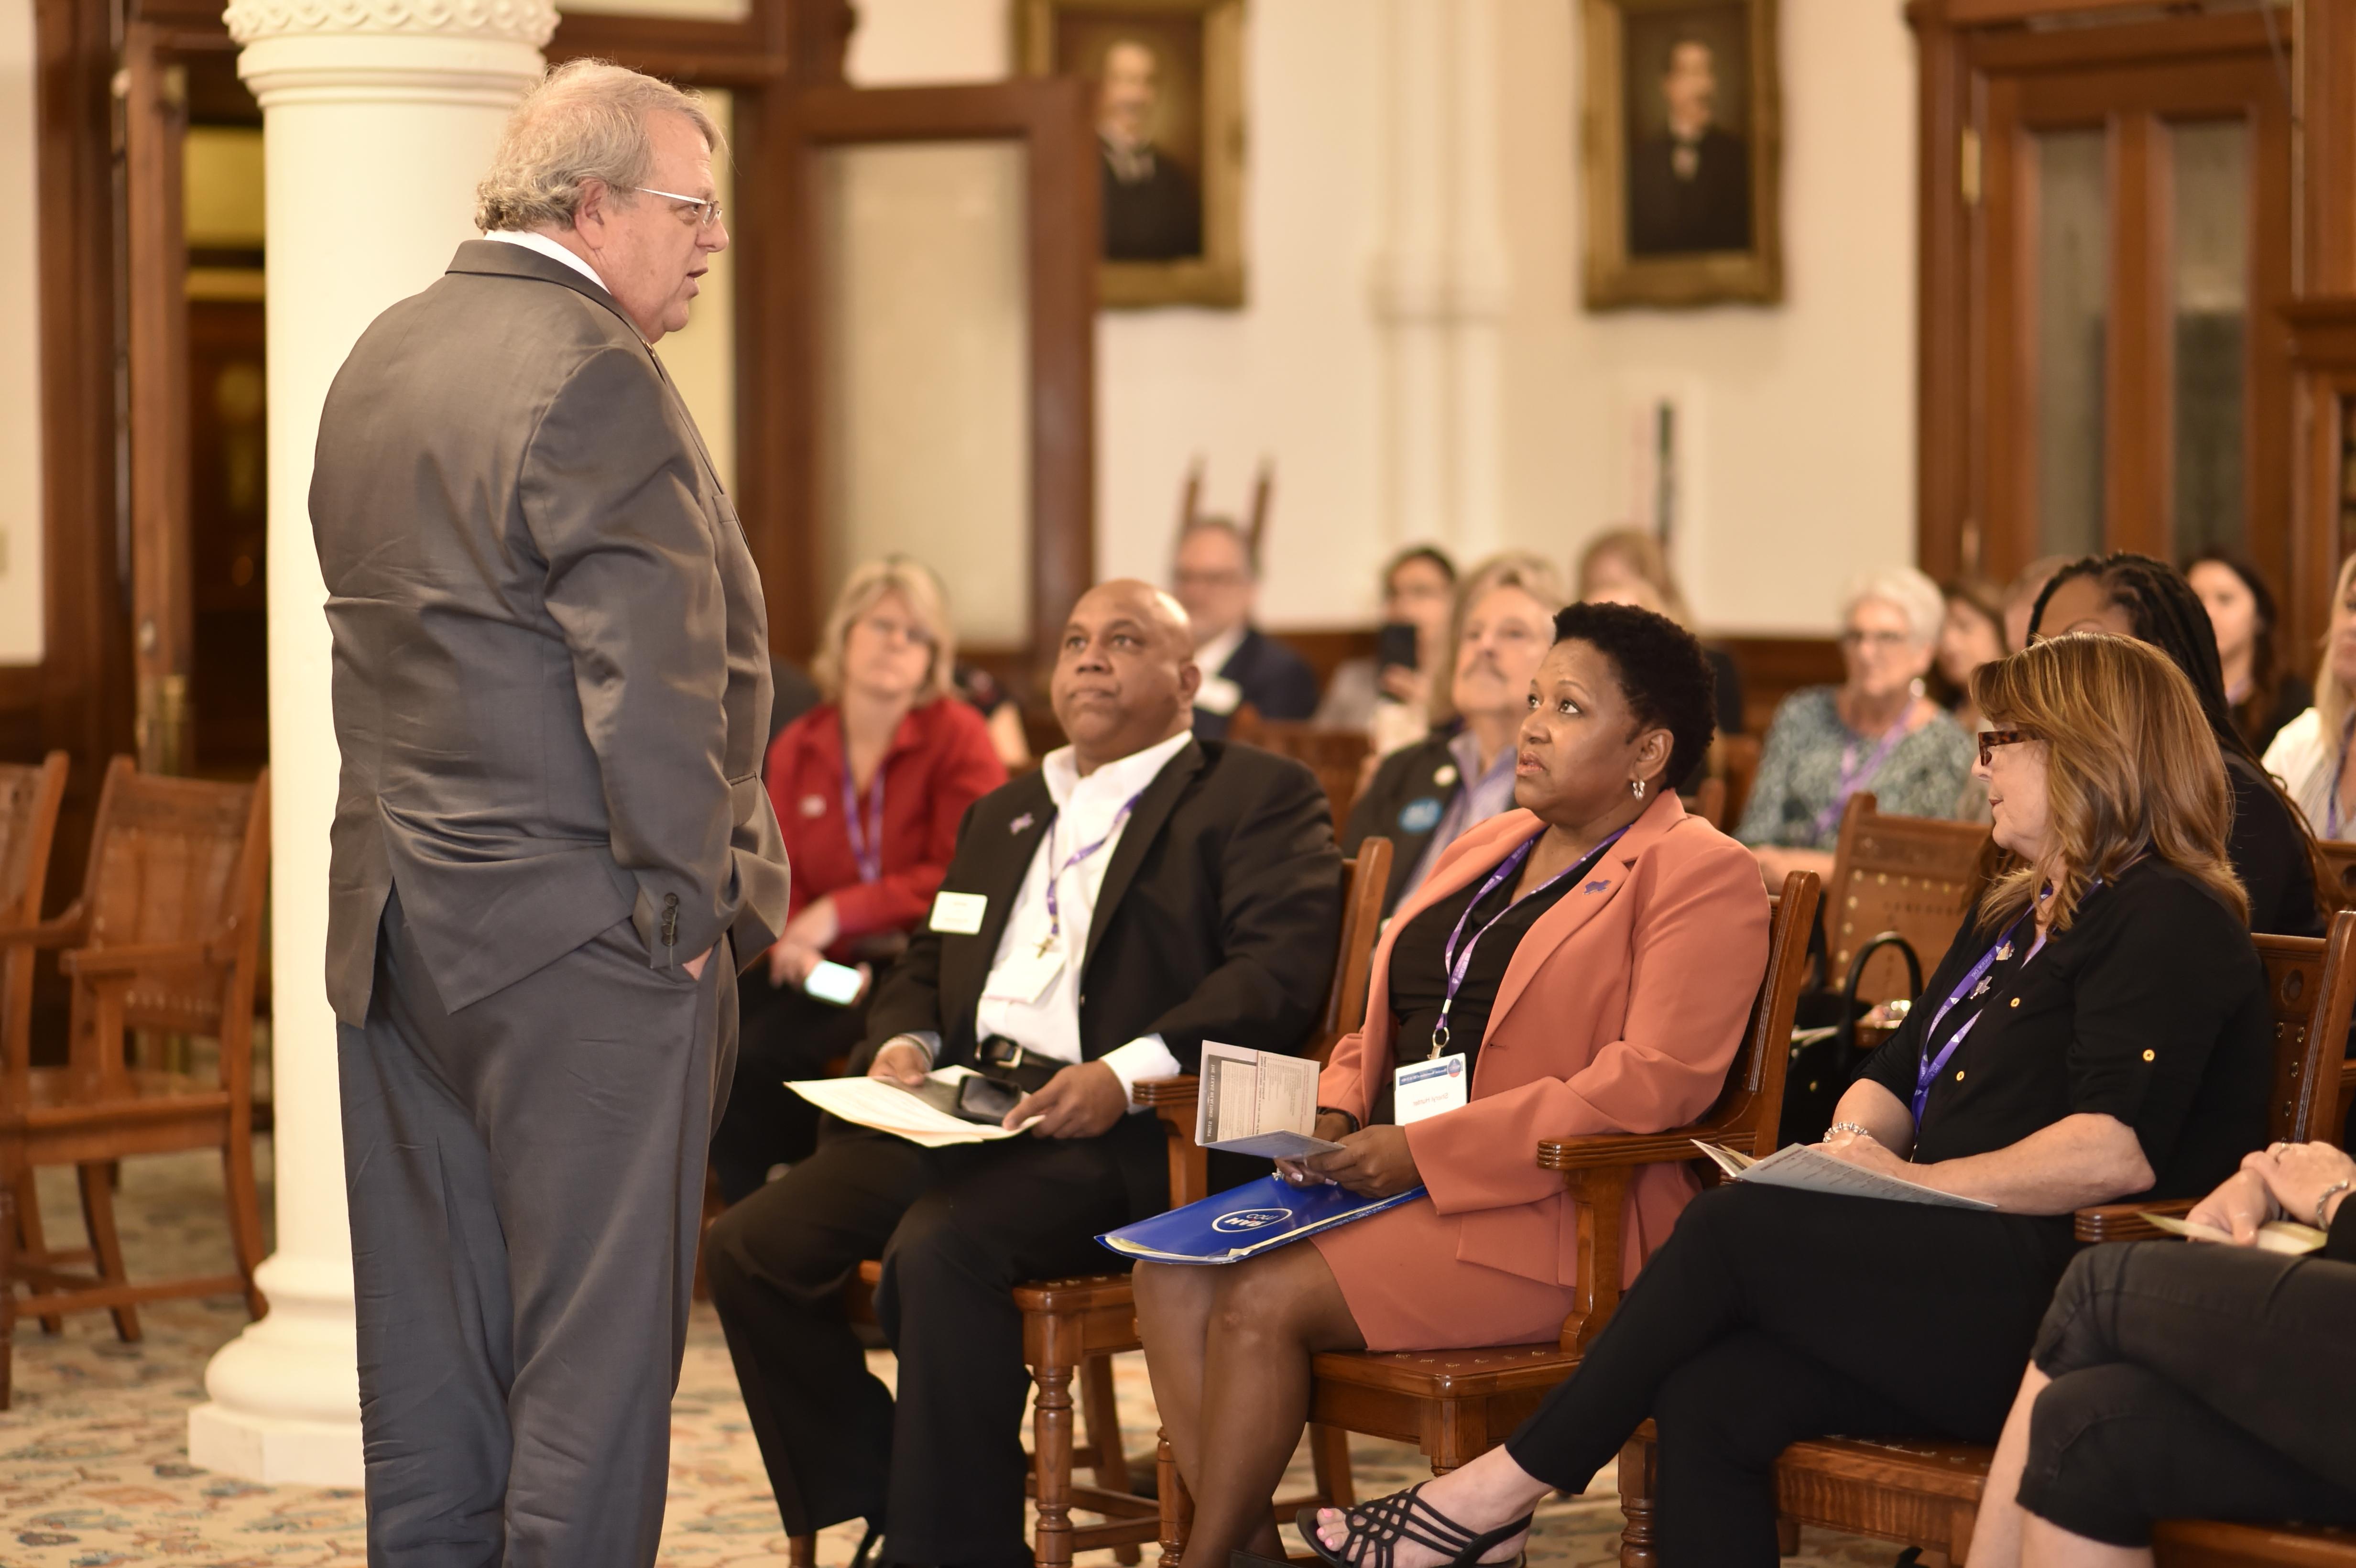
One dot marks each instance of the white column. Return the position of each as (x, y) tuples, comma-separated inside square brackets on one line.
[(1439, 283), (379, 116)]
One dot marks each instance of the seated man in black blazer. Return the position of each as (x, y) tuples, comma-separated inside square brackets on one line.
[(1142, 892), (1216, 577)]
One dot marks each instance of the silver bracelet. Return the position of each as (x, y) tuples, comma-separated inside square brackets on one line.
[(1846, 1128), (2342, 1185)]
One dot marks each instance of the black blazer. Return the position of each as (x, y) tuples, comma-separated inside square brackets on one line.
[(1275, 681), (1219, 917), (1711, 211), (1404, 804), (2270, 855)]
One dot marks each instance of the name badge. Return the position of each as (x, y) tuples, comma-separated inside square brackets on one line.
[(960, 914), (1427, 1088), (1024, 977)]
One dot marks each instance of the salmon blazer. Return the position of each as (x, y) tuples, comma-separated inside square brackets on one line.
[(1621, 1012)]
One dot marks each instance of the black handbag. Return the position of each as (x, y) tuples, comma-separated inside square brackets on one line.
[(1820, 1069)]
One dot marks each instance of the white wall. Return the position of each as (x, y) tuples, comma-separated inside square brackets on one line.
[(21, 404), (1800, 417)]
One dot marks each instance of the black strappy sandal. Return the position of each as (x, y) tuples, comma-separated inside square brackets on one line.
[(1376, 1529)]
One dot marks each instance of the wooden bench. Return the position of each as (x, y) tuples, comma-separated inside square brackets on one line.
[(1456, 1404), (1926, 1493)]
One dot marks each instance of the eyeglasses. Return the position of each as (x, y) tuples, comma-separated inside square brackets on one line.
[(1880, 641), (1991, 738), (707, 213)]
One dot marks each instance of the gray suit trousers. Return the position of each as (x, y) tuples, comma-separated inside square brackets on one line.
[(525, 1176)]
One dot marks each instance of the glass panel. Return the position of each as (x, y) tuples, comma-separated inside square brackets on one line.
[(701, 356), (2209, 259), (924, 438), (2073, 307)]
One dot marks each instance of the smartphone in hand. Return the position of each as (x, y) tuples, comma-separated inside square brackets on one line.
[(837, 983), (1394, 645)]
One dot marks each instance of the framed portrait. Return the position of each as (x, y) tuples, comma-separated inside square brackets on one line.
[(1682, 138), (1167, 77)]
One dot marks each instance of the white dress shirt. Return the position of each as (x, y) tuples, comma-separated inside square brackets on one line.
[(548, 248), (1217, 694), (1046, 1022)]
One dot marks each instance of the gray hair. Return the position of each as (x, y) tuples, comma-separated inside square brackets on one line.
[(1906, 591), (585, 120)]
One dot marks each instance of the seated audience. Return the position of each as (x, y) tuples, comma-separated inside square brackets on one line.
[(2182, 1381), (1217, 578), (1614, 563), (1876, 731), (2264, 695), (2132, 595), (1425, 797), (1101, 918), (2103, 1033), (1971, 634), (979, 689), (1395, 704), (869, 787), (2310, 754), (1592, 955)]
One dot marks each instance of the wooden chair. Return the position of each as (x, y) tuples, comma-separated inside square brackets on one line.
[(1457, 1405), (1334, 755), (1073, 1328), (1926, 1492), (2339, 858), (1709, 803), (1737, 761), (165, 937), (29, 800)]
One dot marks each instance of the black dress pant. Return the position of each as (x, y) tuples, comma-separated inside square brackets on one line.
[(783, 1033), (2194, 1383), (957, 1229), (1770, 1315)]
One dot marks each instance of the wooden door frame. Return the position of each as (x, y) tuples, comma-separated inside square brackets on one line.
[(1051, 116)]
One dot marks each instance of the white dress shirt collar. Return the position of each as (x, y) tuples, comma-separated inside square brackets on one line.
[(548, 248), (1114, 781), (1213, 656)]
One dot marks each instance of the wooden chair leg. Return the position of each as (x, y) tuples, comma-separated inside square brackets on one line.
[(7, 1294), (1329, 1460), (801, 1552), (1787, 1537), (1051, 1463), (98, 1214), (1177, 1504), (244, 1215), (35, 1247), (1639, 1545), (1101, 1409)]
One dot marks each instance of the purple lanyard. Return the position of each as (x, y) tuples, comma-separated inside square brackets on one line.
[(2331, 798), (1054, 913), (1459, 961), (1853, 777), (1928, 1067), (867, 852)]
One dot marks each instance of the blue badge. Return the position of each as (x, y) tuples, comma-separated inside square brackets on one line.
[(1421, 815), (1250, 1220)]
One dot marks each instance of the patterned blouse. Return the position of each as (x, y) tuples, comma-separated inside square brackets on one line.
[(1800, 773)]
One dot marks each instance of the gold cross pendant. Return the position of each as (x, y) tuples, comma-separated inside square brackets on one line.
[(1046, 942)]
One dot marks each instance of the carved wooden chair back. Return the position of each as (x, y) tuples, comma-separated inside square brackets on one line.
[(2339, 858), (29, 800), (2311, 988), (1363, 877), (1910, 875), (1335, 756), (1709, 803)]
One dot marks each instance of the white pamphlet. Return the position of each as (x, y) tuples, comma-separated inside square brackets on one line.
[(888, 1108), (1258, 1103), (1811, 1169), (2273, 1236)]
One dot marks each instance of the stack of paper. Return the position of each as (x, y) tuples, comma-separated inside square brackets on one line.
[(1811, 1169), (2273, 1236), (1258, 1103), (1255, 1218), (888, 1108)]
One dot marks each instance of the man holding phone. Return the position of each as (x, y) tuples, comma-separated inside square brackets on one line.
[(1099, 918)]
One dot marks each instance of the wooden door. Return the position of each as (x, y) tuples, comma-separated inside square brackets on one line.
[(2104, 366), (881, 199)]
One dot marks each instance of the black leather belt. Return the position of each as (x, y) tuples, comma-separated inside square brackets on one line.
[(1002, 1059)]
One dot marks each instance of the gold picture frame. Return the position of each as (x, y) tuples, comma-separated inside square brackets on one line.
[(1662, 200), (1196, 96)]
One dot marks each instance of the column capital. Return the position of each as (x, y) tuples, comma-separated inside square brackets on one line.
[(481, 54), (528, 22)]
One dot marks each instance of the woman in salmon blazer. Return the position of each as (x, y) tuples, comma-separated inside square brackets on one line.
[(1585, 963)]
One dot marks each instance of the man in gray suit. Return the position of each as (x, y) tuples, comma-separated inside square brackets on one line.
[(552, 847)]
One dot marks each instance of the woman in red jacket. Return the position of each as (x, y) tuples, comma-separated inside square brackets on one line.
[(869, 787)]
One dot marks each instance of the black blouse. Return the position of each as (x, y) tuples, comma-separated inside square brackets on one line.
[(2151, 1009), (2269, 854), (1418, 976)]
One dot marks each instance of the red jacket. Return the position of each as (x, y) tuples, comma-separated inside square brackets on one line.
[(940, 763)]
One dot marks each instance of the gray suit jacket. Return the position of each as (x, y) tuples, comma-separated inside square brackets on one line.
[(552, 675)]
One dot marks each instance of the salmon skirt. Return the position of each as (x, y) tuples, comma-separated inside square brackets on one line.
[(1409, 1291)]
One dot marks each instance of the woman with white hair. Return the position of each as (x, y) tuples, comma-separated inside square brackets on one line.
[(1876, 731)]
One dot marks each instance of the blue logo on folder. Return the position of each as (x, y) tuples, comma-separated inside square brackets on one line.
[(1251, 1220), (1245, 1220)]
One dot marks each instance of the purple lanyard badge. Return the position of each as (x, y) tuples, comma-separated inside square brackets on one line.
[(1055, 872), (1855, 776), (866, 851), (1458, 962)]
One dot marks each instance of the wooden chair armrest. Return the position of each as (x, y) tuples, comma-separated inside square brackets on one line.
[(96, 962), (66, 930), (1166, 1092), (1600, 1151), (2127, 1221)]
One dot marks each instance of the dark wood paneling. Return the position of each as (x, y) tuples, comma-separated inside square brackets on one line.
[(1774, 667)]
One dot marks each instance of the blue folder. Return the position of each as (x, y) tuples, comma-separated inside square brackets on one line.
[(1246, 1221)]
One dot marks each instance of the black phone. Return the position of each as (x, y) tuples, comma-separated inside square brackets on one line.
[(986, 1099), (1394, 645)]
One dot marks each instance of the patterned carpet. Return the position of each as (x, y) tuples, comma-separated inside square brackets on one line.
[(93, 1458)]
